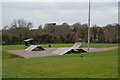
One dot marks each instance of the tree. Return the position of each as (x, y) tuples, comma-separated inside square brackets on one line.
[(100, 35), (53, 33), (40, 27), (18, 31), (5, 28), (94, 33)]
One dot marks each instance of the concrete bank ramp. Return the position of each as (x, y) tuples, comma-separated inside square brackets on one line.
[(76, 45), (61, 51), (30, 48), (34, 48)]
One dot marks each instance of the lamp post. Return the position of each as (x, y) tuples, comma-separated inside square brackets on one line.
[(89, 27)]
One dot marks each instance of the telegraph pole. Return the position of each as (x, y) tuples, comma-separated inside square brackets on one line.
[(89, 27)]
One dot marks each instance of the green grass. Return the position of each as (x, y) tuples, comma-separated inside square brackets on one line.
[(6, 48), (92, 65), (7, 55), (102, 64)]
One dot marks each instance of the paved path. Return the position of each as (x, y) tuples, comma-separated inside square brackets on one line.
[(100, 49), (48, 52)]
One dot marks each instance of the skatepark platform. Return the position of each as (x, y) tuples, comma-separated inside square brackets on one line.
[(49, 52)]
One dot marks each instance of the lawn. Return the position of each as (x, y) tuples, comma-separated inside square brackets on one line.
[(102, 64)]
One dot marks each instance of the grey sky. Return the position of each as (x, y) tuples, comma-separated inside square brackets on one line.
[(102, 13)]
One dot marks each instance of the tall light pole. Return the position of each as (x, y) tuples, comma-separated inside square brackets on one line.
[(89, 27)]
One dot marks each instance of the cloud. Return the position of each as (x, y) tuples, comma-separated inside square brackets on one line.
[(102, 13)]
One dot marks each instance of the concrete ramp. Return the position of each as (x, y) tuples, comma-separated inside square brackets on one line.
[(76, 45), (30, 48), (34, 48), (61, 51)]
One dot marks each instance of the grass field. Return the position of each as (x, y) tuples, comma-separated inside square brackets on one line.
[(102, 64)]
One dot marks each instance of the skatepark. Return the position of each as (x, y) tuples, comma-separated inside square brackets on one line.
[(38, 51), (75, 49)]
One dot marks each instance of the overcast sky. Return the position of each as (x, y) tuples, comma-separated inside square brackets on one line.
[(102, 13)]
